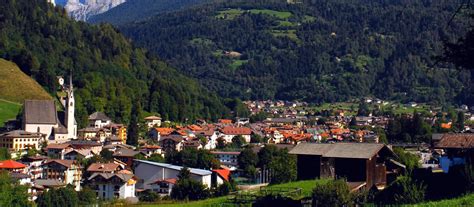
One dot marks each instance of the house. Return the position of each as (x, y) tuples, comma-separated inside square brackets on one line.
[(78, 154), (230, 132), (67, 171), (164, 187), (57, 151), (157, 132), (99, 120), (113, 185), (113, 140), (150, 172), (33, 164), (95, 134), (19, 140), (153, 121), (94, 146), (12, 166), (104, 168), (227, 158), (172, 143), (362, 164), (125, 155), (118, 130), (211, 135), (149, 150), (220, 176), (458, 150)]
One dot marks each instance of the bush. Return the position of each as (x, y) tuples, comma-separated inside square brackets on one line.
[(332, 193), (188, 189), (148, 196), (404, 190)]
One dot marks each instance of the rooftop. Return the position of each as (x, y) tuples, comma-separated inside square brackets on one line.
[(195, 171), (339, 150)]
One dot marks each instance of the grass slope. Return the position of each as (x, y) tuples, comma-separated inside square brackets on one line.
[(16, 86), (8, 110)]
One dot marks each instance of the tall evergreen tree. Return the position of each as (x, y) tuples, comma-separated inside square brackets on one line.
[(133, 131)]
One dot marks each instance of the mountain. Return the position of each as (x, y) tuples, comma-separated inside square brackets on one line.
[(320, 52), (108, 71), (84, 9), (134, 10), (16, 86)]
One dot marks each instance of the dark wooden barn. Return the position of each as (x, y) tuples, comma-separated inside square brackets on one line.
[(364, 163)]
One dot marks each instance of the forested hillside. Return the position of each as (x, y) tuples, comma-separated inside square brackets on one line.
[(133, 10), (108, 71), (331, 50)]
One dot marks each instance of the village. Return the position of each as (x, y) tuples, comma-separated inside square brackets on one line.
[(48, 151)]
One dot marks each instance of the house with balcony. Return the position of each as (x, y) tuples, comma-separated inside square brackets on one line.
[(113, 185), (66, 171)]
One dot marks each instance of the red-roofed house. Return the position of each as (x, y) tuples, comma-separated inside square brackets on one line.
[(220, 176), (230, 132), (12, 166)]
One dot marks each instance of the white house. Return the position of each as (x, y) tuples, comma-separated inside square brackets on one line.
[(151, 172), (230, 132), (153, 121), (99, 120), (113, 185)]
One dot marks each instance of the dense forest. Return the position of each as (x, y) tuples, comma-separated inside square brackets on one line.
[(329, 50), (134, 10), (108, 72)]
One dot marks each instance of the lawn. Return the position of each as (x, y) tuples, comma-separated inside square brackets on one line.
[(467, 200), (8, 110), (306, 186), (291, 33), (230, 14)]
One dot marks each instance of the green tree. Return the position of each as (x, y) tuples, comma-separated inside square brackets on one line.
[(411, 161), (238, 141), (4, 154), (247, 159), (133, 130), (148, 196), (283, 167), (107, 155), (58, 197), (404, 190), (255, 138), (11, 193), (221, 143), (187, 188), (87, 196), (460, 121), (363, 109)]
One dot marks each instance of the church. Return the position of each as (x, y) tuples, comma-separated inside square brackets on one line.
[(41, 116)]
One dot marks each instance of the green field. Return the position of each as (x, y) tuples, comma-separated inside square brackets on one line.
[(230, 14), (8, 110)]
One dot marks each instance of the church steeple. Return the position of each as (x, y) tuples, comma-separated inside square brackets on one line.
[(70, 121)]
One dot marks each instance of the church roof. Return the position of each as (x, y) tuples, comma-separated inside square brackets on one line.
[(40, 112)]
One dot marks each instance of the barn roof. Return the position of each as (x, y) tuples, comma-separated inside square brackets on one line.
[(338, 150), (457, 140)]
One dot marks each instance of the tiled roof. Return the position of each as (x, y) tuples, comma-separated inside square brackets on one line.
[(152, 118), (236, 130), (40, 112), (195, 171), (20, 134), (458, 140), (99, 116), (338, 150), (164, 131), (65, 163), (102, 167), (107, 176), (58, 146), (123, 152), (168, 180)]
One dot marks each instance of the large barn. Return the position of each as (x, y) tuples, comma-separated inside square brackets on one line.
[(361, 164)]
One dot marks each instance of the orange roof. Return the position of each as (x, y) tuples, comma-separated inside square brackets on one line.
[(194, 127), (324, 135), (164, 131), (225, 121), (236, 130), (11, 164), (446, 125), (223, 173), (168, 180)]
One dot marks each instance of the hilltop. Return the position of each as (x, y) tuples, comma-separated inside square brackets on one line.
[(16, 86), (324, 52)]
